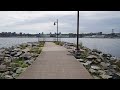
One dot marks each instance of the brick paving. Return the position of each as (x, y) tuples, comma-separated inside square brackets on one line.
[(55, 62)]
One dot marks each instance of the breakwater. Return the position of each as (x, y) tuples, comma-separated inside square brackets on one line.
[(100, 65), (15, 60)]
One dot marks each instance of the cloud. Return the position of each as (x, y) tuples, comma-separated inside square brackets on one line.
[(42, 21)]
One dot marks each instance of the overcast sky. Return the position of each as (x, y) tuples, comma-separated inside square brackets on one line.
[(42, 21)]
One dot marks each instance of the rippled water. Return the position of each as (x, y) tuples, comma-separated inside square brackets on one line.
[(111, 46)]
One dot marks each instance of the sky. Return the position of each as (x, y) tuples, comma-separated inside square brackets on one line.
[(43, 21)]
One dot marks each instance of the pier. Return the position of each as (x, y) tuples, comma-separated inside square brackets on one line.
[(55, 62)]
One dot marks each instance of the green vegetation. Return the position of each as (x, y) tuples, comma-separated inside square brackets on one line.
[(23, 46), (41, 44), (59, 43), (35, 50), (19, 63)]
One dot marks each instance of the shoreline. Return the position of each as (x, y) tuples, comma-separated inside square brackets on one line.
[(60, 37), (98, 64), (15, 60)]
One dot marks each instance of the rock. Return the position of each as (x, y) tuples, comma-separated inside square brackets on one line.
[(92, 57), (81, 60), (97, 51), (101, 72), (112, 70), (13, 53), (87, 63), (7, 60), (115, 76), (104, 55), (26, 56), (95, 67), (7, 55), (18, 54), (17, 49), (6, 73), (98, 60), (11, 72), (104, 65), (2, 67), (113, 58), (14, 75), (104, 76), (8, 77), (92, 71), (116, 67), (112, 61), (95, 77), (20, 70), (7, 52), (108, 72), (117, 63), (29, 62), (9, 68)]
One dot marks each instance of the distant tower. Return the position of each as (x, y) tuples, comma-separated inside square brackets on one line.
[(112, 30)]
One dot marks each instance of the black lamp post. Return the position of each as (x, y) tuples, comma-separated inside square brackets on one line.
[(77, 50), (57, 28)]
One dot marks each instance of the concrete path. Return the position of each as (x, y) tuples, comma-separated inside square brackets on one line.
[(55, 62)]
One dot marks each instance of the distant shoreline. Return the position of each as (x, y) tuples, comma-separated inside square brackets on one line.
[(59, 37)]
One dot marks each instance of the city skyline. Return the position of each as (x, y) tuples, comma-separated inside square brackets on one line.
[(42, 21)]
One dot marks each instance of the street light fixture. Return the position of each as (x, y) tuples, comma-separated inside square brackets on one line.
[(57, 28)]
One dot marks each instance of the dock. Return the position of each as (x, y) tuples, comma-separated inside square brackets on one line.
[(55, 62)]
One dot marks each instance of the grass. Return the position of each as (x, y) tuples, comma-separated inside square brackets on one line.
[(19, 63), (36, 50)]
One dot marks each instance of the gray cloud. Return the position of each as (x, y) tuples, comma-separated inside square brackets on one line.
[(35, 22)]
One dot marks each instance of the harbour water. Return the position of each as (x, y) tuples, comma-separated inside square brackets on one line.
[(106, 45)]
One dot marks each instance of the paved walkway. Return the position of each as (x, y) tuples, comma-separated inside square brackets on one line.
[(55, 62)]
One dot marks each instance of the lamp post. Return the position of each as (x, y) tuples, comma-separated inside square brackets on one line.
[(77, 50), (57, 28), (77, 31)]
